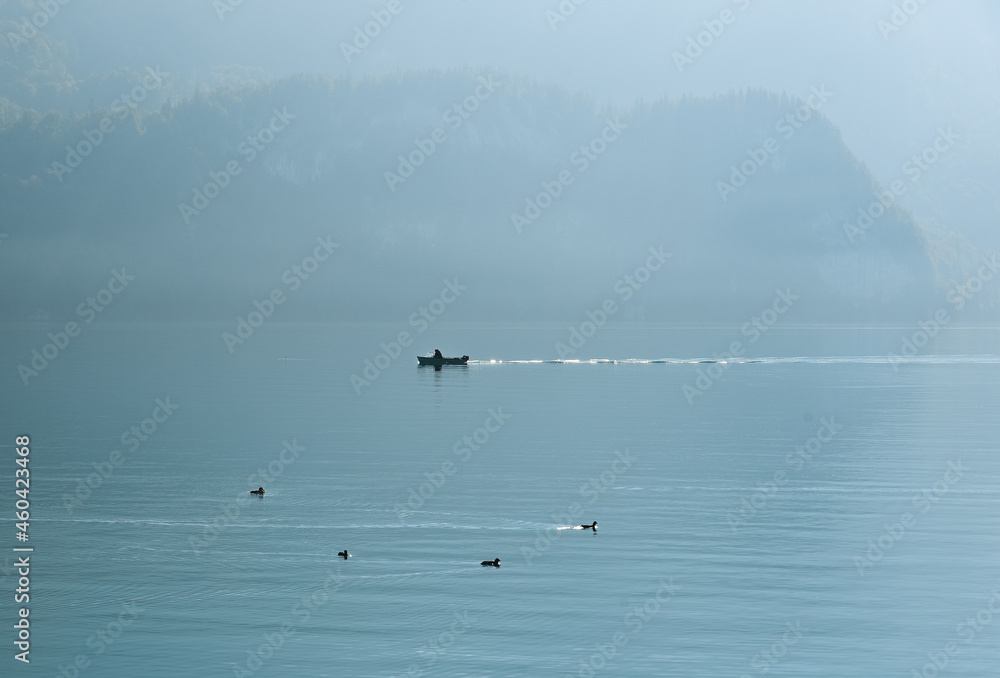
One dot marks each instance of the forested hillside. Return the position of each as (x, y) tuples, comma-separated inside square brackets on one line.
[(422, 175)]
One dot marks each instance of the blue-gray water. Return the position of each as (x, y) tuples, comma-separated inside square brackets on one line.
[(714, 591)]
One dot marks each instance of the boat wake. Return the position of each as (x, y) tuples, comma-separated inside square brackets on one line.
[(777, 360)]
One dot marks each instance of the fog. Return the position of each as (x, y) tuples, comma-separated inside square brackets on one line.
[(688, 111)]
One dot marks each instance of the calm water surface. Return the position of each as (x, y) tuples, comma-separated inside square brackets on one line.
[(720, 550)]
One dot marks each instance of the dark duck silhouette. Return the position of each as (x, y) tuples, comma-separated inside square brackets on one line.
[(491, 563)]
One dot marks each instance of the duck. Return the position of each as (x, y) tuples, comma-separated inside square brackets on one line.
[(259, 490), (590, 527), (344, 554), (491, 563)]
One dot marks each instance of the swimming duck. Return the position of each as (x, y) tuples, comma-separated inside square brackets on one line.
[(344, 554), (590, 527), (491, 563), (259, 490)]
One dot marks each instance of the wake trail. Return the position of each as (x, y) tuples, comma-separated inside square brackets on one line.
[(776, 360)]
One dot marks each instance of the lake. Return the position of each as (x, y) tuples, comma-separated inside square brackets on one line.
[(809, 508)]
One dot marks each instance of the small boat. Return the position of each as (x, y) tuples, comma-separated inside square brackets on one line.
[(431, 360)]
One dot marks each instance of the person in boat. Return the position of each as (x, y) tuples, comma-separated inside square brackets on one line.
[(344, 554), (590, 527), (259, 490), (491, 563), (437, 353)]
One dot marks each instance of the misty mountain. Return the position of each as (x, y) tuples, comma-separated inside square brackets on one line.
[(540, 202)]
